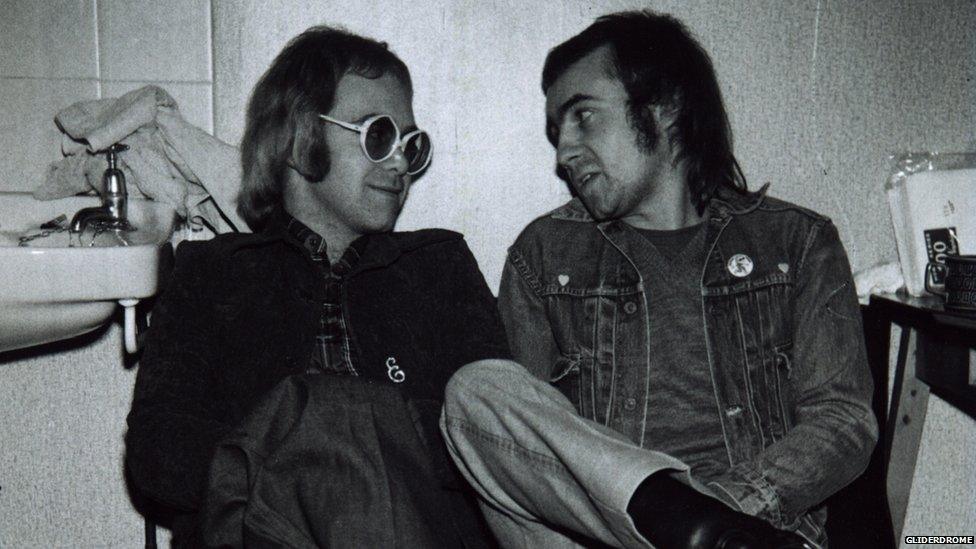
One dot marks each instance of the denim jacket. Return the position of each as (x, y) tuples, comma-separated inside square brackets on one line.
[(783, 333)]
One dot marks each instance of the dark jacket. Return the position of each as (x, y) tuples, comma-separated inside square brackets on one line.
[(239, 315), (332, 461), (782, 326)]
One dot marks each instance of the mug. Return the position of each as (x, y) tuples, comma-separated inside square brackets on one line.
[(959, 286)]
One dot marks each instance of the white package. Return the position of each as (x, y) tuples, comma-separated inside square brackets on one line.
[(934, 215)]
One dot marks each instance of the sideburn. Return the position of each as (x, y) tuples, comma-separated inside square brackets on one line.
[(644, 122)]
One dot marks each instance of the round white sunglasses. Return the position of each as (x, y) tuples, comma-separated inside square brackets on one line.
[(379, 138)]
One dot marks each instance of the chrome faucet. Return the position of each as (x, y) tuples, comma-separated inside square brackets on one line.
[(113, 211)]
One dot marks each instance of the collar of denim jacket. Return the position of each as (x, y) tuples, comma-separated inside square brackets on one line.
[(728, 202), (725, 202), (574, 210)]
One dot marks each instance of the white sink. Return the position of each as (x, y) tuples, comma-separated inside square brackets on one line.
[(62, 285)]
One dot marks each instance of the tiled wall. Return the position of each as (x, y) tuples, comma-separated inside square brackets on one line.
[(55, 53)]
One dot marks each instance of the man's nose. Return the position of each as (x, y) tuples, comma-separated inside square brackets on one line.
[(397, 161), (567, 150)]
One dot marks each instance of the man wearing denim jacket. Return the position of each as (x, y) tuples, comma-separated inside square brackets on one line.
[(702, 344)]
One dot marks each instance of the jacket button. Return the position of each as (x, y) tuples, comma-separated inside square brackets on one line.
[(630, 307), (630, 404)]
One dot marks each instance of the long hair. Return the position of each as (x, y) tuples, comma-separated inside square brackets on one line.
[(283, 128), (659, 63)]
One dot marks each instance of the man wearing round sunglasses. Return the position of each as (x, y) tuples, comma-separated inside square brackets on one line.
[(292, 378)]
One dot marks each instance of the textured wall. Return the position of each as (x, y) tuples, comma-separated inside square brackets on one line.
[(62, 418), (819, 94)]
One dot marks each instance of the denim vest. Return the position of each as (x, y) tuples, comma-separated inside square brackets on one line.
[(782, 327)]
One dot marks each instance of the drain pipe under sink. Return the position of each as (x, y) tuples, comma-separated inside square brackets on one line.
[(131, 345)]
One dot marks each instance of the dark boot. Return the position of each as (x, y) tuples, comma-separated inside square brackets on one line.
[(672, 515)]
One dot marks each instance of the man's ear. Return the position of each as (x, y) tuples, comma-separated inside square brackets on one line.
[(665, 116), (309, 152), (665, 120)]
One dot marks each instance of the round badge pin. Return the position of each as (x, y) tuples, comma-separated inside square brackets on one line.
[(740, 265)]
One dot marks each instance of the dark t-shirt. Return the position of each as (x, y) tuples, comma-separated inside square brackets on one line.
[(670, 243), (682, 415)]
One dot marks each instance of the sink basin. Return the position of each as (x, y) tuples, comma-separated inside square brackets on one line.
[(63, 285)]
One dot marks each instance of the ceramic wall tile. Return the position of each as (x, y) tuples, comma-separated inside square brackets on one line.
[(48, 39), (29, 138), (159, 41)]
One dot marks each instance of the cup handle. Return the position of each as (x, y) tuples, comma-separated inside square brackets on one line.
[(930, 285)]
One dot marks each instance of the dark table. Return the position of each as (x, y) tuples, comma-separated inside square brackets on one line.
[(935, 354)]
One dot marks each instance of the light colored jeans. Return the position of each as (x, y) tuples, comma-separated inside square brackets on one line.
[(544, 474)]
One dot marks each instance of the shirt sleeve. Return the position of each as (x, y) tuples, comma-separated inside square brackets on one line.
[(477, 332), (172, 431), (524, 315), (835, 429)]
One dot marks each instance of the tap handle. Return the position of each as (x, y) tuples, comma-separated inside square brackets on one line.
[(112, 153), (113, 180)]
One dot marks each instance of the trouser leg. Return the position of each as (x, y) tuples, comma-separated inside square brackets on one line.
[(541, 469)]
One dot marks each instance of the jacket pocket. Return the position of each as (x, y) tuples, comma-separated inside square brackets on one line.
[(592, 328), (760, 340)]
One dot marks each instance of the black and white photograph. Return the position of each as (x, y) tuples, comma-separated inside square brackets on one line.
[(660, 274)]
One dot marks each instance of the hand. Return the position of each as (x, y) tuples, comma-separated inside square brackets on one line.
[(672, 515)]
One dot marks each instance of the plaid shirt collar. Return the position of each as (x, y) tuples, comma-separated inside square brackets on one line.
[(317, 246), (309, 239)]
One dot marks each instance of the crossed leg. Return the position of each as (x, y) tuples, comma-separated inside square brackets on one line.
[(544, 473)]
